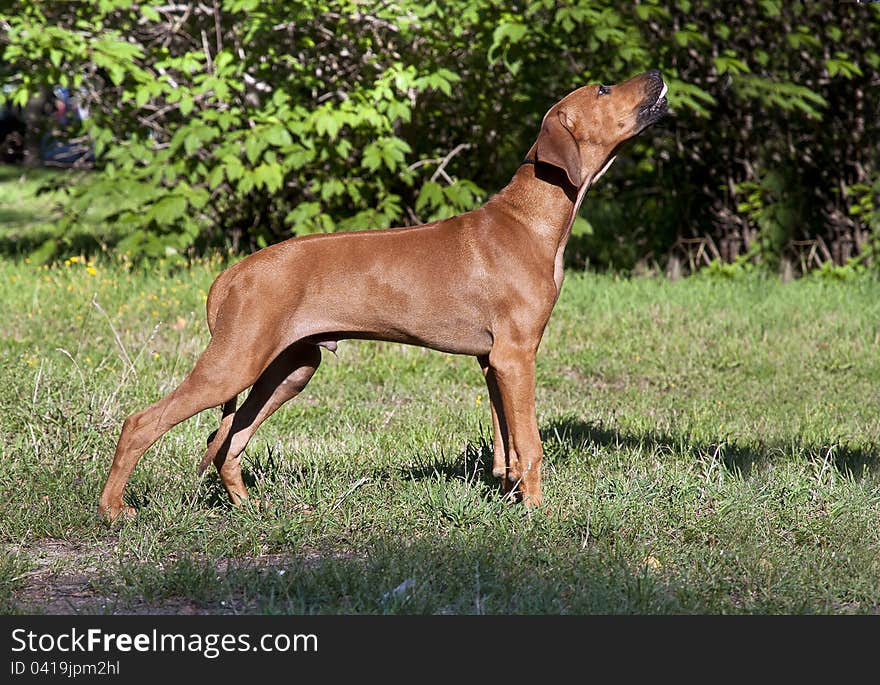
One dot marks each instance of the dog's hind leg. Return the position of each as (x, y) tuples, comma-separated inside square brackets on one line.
[(225, 420), (282, 380), (222, 371), (212, 443)]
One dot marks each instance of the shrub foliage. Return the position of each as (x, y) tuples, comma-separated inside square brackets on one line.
[(246, 121)]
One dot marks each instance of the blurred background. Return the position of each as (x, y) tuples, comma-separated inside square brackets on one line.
[(172, 128)]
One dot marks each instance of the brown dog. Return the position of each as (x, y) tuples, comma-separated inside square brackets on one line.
[(482, 283)]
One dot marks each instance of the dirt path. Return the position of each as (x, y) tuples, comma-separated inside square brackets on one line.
[(66, 578)]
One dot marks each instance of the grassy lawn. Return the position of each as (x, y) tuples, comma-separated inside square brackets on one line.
[(711, 446), (25, 214), (30, 204)]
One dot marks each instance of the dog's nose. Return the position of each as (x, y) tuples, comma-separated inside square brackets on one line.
[(655, 84)]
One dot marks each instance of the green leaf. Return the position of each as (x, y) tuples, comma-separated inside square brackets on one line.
[(277, 136), (222, 59), (449, 76), (197, 197), (399, 110), (463, 195), (729, 63), (142, 97), (581, 227), (506, 34), (686, 95), (191, 143), (186, 104), (253, 147), (197, 136), (302, 214), (431, 195), (771, 7), (327, 122), (150, 14), (21, 98), (372, 157), (841, 65), (269, 176), (393, 152), (343, 148), (298, 157), (215, 178), (245, 183), (331, 188), (168, 209), (233, 167)]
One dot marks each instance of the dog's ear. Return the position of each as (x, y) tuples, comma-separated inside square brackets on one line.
[(558, 146)]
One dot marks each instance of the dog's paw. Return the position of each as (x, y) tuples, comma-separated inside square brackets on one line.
[(255, 503), (112, 513)]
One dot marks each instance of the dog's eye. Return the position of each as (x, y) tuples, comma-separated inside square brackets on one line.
[(603, 90)]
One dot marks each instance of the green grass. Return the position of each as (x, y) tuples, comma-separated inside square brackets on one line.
[(31, 204), (22, 206), (711, 446)]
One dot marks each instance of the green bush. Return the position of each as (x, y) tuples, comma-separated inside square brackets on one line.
[(242, 122)]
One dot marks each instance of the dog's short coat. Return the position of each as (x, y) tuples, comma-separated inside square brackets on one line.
[(481, 283)]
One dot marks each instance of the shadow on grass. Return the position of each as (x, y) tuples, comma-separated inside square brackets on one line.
[(560, 438), (27, 217), (258, 466), (17, 216), (497, 572), (10, 173), (474, 463), (572, 434), (264, 466)]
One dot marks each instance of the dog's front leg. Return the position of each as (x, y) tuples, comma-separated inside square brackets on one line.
[(513, 370), (500, 452)]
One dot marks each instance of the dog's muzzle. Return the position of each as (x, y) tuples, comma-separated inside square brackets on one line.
[(655, 105)]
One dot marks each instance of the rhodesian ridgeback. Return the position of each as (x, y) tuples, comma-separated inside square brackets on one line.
[(482, 284)]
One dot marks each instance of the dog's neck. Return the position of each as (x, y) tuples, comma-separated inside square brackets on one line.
[(542, 197)]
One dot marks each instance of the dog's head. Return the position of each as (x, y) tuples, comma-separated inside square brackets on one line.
[(582, 132)]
